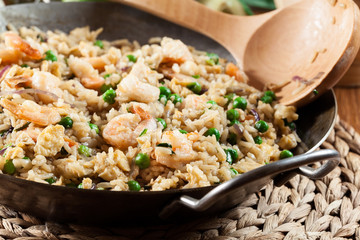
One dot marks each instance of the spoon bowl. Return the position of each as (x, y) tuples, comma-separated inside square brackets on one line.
[(308, 45)]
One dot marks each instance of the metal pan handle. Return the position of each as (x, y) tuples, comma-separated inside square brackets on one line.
[(281, 171)]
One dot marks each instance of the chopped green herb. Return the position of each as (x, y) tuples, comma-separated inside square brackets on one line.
[(50, 180), (142, 160), (162, 122), (107, 75), (9, 167), (229, 97), (143, 132), (131, 58), (183, 131), (80, 185), (316, 92), (27, 158), (99, 43), (24, 65), (23, 127), (246, 8), (109, 96), (84, 150), (50, 56), (164, 145), (94, 127), (213, 59), (233, 172), (67, 122), (212, 102), (196, 76)]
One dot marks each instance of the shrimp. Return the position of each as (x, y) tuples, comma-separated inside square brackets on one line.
[(32, 112), (89, 77), (195, 102), (44, 81), (99, 63), (175, 51), (122, 131), (181, 146), (16, 48), (131, 88)]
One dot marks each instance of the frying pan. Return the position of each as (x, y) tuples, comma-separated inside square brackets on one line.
[(95, 206)]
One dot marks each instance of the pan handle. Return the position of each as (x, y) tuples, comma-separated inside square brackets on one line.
[(280, 171)]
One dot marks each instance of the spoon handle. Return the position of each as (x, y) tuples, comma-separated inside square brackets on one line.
[(233, 32)]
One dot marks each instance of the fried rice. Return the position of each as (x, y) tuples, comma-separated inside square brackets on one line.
[(94, 114)]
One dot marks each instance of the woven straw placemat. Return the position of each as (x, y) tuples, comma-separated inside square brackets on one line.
[(302, 209)]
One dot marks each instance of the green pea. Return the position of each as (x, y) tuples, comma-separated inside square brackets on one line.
[(240, 102), (266, 99), (270, 94), (229, 97), (176, 98), (131, 58), (183, 131), (67, 122), (163, 99), (234, 122), (99, 43), (9, 167), (286, 154), (212, 102), (261, 126), (165, 91), (50, 56), (291, 125), (162, 122), (195, 87), (233, 172), (213, 131), (109, 96), (232, 139), (142, 160), (50, 180), (134, 185), (105, 87), (258, 140), (232, 114), (231, 155), (94, 127), (213, 59), (84, 150)]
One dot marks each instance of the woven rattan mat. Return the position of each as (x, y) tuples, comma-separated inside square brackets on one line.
[(302, 209)]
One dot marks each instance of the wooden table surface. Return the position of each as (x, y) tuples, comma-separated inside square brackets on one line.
[(348, 100)]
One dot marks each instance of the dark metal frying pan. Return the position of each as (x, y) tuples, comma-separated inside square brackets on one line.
[(93, 206)]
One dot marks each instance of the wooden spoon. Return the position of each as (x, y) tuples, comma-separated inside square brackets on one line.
[(308, 45)]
